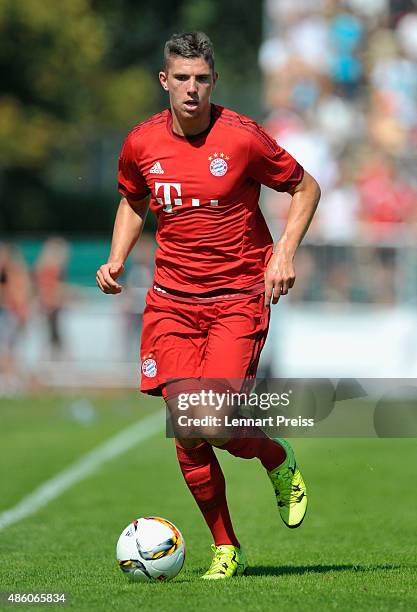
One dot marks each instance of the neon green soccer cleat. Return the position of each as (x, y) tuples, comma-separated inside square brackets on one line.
[(228, 561), (289, 487)]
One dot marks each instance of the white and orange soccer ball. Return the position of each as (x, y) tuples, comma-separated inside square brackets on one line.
[(151, 549)]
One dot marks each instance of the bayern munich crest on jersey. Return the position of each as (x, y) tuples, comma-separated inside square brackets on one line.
[(218, 164), (149, 368)]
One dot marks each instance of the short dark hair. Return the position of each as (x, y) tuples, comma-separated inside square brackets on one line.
[(190, 44)]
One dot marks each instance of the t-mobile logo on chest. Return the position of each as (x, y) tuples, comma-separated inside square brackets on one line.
[(168, 202)]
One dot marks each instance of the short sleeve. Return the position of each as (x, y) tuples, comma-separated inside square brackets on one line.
[(131, 182), (270, 164)]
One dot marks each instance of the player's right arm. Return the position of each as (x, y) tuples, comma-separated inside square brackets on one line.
[(128, 226)]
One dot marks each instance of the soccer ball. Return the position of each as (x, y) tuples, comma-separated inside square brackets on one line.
[(151, 549)]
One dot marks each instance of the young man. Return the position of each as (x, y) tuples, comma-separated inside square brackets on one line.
[(200, 168)]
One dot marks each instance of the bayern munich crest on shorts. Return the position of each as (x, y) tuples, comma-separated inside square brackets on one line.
[(149, 368), (218, 167)]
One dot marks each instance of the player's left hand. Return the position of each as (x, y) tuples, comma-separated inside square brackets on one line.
[(279, 276)]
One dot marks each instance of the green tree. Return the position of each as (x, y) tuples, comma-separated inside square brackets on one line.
[(76, 75), (58, 93)]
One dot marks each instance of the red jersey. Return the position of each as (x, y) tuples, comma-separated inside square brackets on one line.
[(205, 194)]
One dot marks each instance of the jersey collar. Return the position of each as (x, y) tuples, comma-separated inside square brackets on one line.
[(195, 137)]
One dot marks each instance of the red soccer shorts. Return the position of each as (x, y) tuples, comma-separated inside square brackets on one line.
[(215, 340)]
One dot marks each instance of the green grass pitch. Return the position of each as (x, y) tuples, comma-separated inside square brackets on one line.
[(355, 551)]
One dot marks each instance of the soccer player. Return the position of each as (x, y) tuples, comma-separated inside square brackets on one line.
[(200, 167)]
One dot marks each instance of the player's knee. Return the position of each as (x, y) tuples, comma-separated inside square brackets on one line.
[(188, 442), (195, 423), (210, 433)]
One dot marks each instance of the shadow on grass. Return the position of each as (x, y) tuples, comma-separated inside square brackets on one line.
[(287, 570), (298, 570)]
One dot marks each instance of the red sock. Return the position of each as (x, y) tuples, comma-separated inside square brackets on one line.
[(256, 444), (205, 480)]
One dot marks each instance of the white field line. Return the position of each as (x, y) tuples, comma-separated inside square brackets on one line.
[(117, 445)]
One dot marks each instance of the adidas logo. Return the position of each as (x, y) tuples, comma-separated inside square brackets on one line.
[(157, 169)]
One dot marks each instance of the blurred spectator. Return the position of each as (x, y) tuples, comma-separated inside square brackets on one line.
[(341, 96), (338, 214), (386, 200), (346, 32), (14, 312), (49, 276), (138, 279), (393, 93)]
